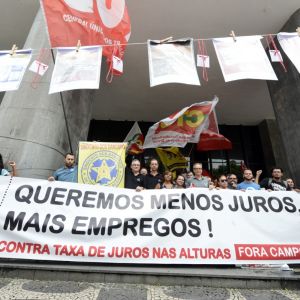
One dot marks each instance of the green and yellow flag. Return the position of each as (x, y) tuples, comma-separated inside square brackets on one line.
[(102, 163), (172, 158)]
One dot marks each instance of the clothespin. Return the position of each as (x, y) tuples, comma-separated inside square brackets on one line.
[(78, 46), (13, 50), (166, 40), (298, 30), (232, 34)]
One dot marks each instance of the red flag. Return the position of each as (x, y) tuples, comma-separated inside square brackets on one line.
[(213, 124), (93, 22), (210, 141), (135, 140)]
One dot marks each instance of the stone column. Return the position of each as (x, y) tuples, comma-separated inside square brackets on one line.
[(285, 96), (272, 146), (37, 129)]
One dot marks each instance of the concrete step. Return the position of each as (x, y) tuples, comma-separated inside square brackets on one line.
[(256, 277)]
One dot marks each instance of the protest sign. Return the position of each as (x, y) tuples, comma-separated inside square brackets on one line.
[(243, 59), (12, 69), (87, 223), (102, 163), (172, 62), (290, 43), (76, 69)]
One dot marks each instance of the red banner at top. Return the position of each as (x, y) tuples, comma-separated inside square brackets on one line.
[(93, 22)]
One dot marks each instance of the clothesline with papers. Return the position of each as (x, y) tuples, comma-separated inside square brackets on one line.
[(36, 50), (170, 61)]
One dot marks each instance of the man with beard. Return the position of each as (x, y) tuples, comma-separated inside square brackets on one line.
[(248, 183), (133, 178), (68, 172), (153, 177), (232, 181), (275, 183)]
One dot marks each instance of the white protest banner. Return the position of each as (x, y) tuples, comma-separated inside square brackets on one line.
[(76, 69), (290, 43), (243, 59), (182, 127), (86, 223), (12, 68), (172, 62)]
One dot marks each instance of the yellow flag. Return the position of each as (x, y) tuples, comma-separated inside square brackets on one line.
[(102, 163), (171, 158)]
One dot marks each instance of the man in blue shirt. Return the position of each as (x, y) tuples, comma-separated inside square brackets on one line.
[(248, 183), (68, 172)]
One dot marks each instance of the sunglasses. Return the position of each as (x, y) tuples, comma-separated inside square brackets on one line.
[(223, 180)]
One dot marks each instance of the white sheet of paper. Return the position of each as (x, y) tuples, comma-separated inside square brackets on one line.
[(172, 62), (76, 70), (243, 59), (118, 64), (275, 56), (290, 43), (38, 67), (203, 61), (12, 69)]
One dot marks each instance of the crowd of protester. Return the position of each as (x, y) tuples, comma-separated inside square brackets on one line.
[(142, 178), (193, 179)]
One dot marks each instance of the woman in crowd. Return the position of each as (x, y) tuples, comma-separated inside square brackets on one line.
[(180, 182), (167, 181), (4, 172), (291, 184), (222, 182)]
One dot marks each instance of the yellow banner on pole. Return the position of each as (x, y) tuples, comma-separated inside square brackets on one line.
[(102, 163)]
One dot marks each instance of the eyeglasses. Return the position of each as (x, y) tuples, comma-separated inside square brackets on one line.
[(223, 180)]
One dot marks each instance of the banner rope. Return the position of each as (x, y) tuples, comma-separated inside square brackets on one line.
[(6, 190), (36, 50)]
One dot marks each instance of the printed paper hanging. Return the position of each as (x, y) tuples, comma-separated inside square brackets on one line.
[(290, 43), (172, 61), (76, 69), (182, 127), (12, 68), (244, 58)]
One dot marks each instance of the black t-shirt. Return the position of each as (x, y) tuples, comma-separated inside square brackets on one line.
[(271, 184), (133, 181), (151, 181)]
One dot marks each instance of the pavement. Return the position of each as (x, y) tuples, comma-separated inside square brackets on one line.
[(11, 288)]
